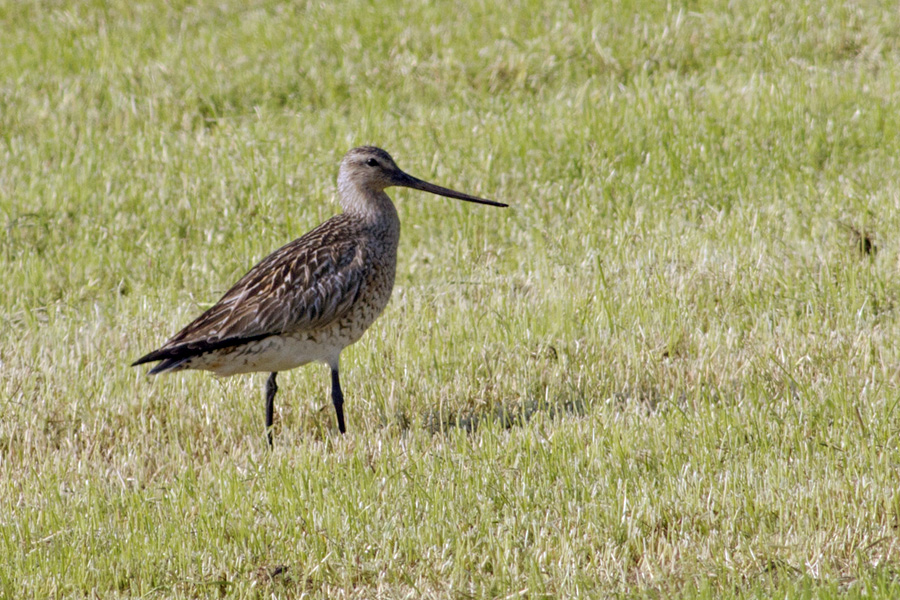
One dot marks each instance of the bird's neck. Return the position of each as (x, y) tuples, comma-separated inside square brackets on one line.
[(374, 208)]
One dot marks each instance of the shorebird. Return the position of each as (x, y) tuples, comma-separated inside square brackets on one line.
[(312, 298)]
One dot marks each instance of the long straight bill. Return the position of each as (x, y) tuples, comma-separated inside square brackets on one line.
[(418, 184)]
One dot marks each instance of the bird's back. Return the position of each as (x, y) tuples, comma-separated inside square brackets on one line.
[(321, 291)]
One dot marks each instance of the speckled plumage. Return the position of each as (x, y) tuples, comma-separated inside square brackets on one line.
[(322, 290), (313, 297)]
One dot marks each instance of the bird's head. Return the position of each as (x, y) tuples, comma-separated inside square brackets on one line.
[(368, 170)]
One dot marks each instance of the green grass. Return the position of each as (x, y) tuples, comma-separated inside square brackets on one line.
[(668, 370)]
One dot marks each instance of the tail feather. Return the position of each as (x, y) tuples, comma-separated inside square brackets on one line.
[(169, 360), (175, 357), (169, 364)]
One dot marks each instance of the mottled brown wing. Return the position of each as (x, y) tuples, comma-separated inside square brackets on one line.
[(303, 286)]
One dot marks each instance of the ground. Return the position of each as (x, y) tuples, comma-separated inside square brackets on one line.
[(669, 369)]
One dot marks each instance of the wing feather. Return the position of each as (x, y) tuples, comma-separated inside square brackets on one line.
[(303, 286)]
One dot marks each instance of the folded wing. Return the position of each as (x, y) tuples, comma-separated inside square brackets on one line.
[(304, 286)]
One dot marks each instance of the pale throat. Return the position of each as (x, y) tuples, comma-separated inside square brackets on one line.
[(374, 207)]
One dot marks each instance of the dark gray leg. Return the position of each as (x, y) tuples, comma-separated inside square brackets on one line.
[(338, 398), (271, 388)]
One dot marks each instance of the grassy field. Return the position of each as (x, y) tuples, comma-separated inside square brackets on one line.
[(670, 369)]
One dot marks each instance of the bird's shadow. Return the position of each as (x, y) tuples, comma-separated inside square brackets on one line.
[(503, 416)]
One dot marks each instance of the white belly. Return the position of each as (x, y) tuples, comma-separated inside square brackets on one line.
[(285, 352), (275, 353)]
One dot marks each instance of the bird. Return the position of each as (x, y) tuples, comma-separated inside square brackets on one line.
[(311, 298)]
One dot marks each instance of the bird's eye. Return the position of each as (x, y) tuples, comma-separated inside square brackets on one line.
[(372, 162)]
